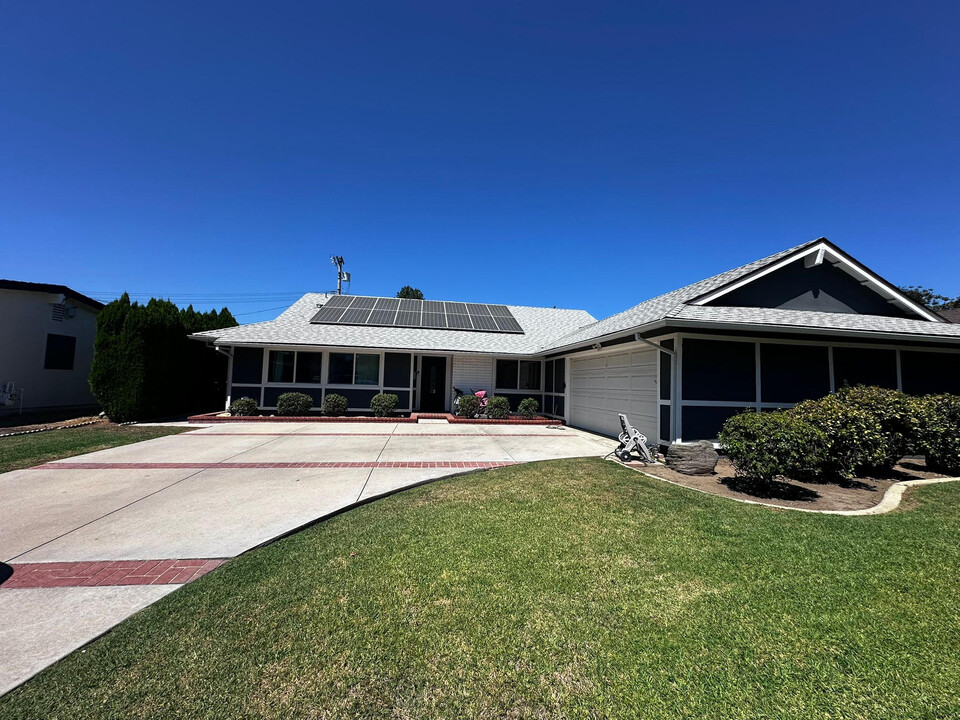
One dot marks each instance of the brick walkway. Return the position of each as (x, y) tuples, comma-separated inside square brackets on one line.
[(451, 464), (100, 574)]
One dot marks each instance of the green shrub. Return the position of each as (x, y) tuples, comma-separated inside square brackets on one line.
[(854, 440), (384, 404), (938, 434), (294, 403), (894, 413), (144, 365), (767, 445), (528, 408), (498, 408), (243, 407), (469, 406), (335, 405)]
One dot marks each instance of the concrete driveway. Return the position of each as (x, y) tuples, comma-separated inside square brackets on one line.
[(94, 538)]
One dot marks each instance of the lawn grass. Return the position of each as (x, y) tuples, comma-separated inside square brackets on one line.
[(23, 451), (566, 589)]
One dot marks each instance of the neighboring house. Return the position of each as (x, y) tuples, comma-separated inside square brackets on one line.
[(791, 326), (47, 346), (952, 315)]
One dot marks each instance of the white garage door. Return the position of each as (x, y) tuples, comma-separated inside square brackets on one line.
[(601, 386)]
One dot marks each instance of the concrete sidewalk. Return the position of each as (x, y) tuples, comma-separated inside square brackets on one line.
[(208, 494)]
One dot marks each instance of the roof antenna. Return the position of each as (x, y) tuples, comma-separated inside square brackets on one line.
[(341, 275)]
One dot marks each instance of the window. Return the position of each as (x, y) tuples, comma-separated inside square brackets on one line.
[(280, 366), (340, 371), (718, 370), (367, 370), (396, 370), (529, 375), (60, 352), (248, 365), (791, 373), (350, 369), (864, 366), (309, 368), (507, 374)]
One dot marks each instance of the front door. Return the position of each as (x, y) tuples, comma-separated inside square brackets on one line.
[(433, 383)]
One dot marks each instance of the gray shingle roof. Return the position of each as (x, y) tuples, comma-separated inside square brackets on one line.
[(541, 327), (668, 304)]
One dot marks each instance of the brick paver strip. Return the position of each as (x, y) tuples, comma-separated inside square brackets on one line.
[(105, 573), (426, 464)]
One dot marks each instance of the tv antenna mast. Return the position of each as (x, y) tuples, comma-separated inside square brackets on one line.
[(341, 275)]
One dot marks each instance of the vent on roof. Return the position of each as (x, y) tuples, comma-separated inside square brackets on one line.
[(429, 314)]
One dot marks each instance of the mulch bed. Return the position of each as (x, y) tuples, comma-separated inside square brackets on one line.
[(857, 494)]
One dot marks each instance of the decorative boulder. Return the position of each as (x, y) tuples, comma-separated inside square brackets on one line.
[(694, 459)]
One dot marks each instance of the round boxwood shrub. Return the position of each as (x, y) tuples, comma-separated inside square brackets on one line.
[(335, 405), (528, 408), (244, 406), (294, 403), (767, 445), (498, 408), (938, 434), (854, 440), (384, 404), (469, 406)]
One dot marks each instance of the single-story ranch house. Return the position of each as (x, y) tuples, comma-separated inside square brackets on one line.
[(791, 326)]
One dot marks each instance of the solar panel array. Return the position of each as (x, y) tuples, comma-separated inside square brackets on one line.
[(429, 314)]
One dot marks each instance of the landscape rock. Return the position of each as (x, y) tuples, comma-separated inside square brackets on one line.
[(694, 459)]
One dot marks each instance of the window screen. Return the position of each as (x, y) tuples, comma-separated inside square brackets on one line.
[(925, 373), (367, 370), (791, 373), (340, 371), (864, 366), (309, 367), (247, 365), (507, 374), (61, 350), (719, 370), (280, 366), (529, 375)]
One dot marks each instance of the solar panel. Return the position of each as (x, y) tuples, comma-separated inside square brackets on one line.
[(409, 313), (355, 316), (408, 318), (339, 301), (509, 325), (456, 321), (434, 320), (382, 318)]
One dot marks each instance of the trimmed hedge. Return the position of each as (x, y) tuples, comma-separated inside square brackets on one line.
[(244, 407), (469, 406), (294, 403), (498, 408), (335, 405), (384, 404), (938, 431), (767, 445), (528, 408), (145, 366)]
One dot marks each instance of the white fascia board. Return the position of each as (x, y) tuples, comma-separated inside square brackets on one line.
[(815, 255)]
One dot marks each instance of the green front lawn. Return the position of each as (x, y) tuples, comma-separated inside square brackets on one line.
[(23, 451), (567, 589)]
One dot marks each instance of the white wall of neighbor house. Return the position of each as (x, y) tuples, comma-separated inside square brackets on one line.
[(28, 324)]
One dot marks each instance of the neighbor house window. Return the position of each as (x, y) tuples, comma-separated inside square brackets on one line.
[(309, 368), (280, 366), (61, 350), (351, 369), (518, 374)]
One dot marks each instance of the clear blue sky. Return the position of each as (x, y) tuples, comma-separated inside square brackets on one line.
[(574, 154)]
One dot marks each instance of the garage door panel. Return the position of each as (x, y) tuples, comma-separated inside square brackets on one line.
[(602, 387)]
